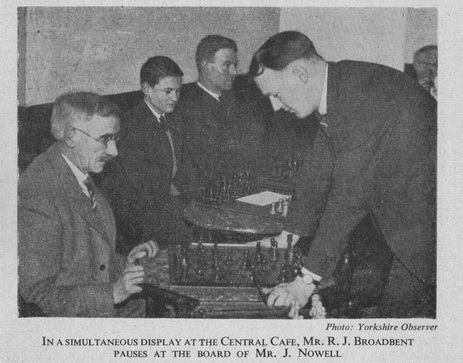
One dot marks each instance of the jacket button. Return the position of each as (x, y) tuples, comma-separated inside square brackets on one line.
[(102, 267)]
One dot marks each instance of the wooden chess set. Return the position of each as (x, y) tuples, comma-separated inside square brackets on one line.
[(223, 274), (228, 280), (245, 203), (216, 275)]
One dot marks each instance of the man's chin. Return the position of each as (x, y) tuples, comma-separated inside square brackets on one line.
[(98, 167)]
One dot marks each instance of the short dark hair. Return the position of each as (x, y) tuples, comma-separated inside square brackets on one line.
[(76, 106), (424, 49), (210, 45), (280, 50), (156, 68)]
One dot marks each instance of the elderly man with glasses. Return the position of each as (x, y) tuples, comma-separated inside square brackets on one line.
[(66, 229)]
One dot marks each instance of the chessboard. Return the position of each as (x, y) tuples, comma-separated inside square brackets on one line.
[(243, 203), (227, 281), (235, 265)]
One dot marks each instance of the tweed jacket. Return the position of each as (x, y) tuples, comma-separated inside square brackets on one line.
[(67, 258)]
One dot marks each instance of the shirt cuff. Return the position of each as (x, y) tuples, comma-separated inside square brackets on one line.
[(306, 272)]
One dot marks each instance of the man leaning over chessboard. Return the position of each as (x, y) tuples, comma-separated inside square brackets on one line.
[(375, 154)]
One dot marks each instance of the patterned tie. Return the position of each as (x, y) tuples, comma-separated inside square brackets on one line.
[(91, 188), (163, 123)]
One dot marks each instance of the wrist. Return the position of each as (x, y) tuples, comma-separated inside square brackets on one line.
[(308, 277)]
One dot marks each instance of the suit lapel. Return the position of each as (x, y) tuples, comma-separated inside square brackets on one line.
[(101, 218), (158, 141)]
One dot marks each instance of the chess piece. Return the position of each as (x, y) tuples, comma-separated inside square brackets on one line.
[(289, 250), (274, 254), (273, 210), (282, 277), (259, 256), (203, 195), (284, 214), (280, 206)]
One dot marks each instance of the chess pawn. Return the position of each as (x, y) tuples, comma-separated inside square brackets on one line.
[(285, 209), (289, 250), (273, 210), (259, 255), (210, 194), (263, 266), (229, 257), (280, 206), (274, 254), (282, 277)]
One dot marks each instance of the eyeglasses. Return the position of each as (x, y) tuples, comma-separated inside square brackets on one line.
[(104, 140)]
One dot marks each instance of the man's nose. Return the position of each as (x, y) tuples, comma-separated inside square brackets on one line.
[(174, 96), (276, 103), (233, 70), (111, 148)]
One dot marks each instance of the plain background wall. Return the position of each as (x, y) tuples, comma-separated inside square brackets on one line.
[(388, 36), (421, 30), (102, 49)]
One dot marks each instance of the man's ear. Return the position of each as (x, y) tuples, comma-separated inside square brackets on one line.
[(145, 88), (69, 137), (301, 72), (204, 64)]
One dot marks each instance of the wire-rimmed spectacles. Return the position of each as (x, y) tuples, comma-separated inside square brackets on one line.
[(104, 140)]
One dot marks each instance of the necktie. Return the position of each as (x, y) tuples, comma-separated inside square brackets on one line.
[(322, 120), (163, 123), (91, 188)]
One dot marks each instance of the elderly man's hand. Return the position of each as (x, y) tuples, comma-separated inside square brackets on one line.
[(149, 249), (295, 294), (128, 282)]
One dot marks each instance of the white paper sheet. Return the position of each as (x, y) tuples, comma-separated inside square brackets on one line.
[(263, 198)]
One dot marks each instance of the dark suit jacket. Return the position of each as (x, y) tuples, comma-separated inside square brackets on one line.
[(218, 138), (137, 182), (378, 155), (67, 258)]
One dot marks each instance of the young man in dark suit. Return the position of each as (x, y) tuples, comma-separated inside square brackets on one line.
[(66, 229), (375, 155), (140, 182)]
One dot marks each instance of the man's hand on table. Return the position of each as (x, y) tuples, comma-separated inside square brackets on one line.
[(295, 294), (133, 274), (282, 240), (149, 249)]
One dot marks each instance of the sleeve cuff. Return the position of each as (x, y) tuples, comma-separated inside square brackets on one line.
[(306, 272)]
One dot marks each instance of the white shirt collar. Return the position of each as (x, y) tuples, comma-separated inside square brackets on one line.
[(213, 94), (155, 113), (78, 174), (322, 108)]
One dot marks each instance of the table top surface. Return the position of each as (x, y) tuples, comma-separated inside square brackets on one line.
[(237, 217)]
